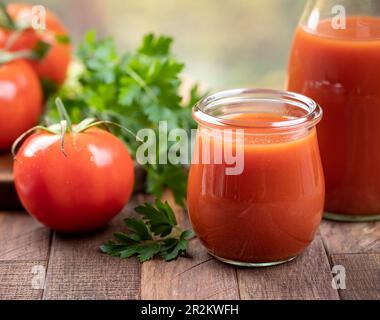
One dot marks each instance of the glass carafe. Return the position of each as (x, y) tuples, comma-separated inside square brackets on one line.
[(335, 60)]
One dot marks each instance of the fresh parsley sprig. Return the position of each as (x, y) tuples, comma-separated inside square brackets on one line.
[(136, 89), (156, 234)]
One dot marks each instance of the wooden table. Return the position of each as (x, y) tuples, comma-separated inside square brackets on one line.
[(75, 269)]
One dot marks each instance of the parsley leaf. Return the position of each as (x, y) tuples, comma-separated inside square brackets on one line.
[(173, 247), (139, 229), (136, 89), (161, 220), (153, 46), (147, 251), (150, 236)]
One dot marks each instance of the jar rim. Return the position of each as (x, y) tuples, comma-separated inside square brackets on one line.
[(312, 111)]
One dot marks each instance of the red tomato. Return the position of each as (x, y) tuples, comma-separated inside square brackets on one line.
[(81, 191), (20, 101), (54, 66)]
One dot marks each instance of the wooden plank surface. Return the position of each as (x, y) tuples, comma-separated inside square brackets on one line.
[(24, 245), (16, 280), (6, 168), (341, 237), (78, 270), (197, 276), (75, 268), (22, 238), (307, 277), (362, 276), (8, 195)]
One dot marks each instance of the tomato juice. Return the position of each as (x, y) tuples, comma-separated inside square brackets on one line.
[(340, 70), (270, 212)]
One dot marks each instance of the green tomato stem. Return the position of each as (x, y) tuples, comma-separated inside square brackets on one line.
[(65, 126), (63, 114), (6, 20), (25, 135)]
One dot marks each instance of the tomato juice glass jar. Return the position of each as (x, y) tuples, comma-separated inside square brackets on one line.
[(256, 186)]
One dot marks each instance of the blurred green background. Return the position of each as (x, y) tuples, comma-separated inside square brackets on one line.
[(224, 43)]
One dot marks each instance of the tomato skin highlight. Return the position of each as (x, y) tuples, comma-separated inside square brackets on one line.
[(20, 101), (81, 191), (55, 64)]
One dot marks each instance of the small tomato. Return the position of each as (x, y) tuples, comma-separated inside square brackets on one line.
[(20, 101), (53, 67)]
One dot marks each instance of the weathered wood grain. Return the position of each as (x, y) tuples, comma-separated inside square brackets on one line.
[(362, 276), (197, 276), (8, 196), (307, 277), (17, 280), (24, 244), (6, 168), (342, 238), (22, 238), (78, 270)]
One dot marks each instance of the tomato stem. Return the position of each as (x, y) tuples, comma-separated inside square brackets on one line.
[(65, 126), (63, 135), (6, 20), (6, 56), (37, 53), (25, 135), (104, 122), (15, 35), (63, 114), (65, 123)]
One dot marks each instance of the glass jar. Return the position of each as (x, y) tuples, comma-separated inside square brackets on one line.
[(256, 186), (335, 60)]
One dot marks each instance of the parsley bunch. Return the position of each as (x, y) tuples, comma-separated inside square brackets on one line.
[(136, 89), (156, 233)]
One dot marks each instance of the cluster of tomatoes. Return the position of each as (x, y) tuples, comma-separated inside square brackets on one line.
[(21, 94), (71, 178)]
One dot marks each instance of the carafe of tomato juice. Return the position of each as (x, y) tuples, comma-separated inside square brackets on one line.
[(335, 60)]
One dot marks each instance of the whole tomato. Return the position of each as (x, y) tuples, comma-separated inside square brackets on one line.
[(20, 101), (53, 67), (80, 188)]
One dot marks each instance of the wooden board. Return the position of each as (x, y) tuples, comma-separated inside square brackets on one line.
[(341, 237), (22, 238), (75, 268), (78, 270), (362, 276), (197, 277), (8, 196), (16, 280), (307, 277), (6, 163), (24, 246)]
